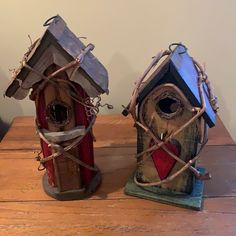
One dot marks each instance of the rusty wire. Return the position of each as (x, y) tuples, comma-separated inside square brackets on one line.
[(202, 78)]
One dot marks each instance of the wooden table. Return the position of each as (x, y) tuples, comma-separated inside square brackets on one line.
[(26, 210)]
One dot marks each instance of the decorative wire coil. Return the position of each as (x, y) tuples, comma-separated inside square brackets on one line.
[(91, 106), (202, 78)]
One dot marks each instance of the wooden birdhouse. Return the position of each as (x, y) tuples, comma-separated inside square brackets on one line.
[(65, 80), (172, 110)]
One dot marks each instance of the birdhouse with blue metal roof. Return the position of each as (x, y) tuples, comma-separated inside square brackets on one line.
[(172, 108), (65, 80)]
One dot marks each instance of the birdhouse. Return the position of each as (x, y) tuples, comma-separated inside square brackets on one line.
[(172, 108), (66, 81)]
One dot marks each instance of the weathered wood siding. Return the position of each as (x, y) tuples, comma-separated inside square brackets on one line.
[(187, 140), (67, 172)]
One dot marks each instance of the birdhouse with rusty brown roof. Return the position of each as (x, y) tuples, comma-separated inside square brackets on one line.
[(66, 81)]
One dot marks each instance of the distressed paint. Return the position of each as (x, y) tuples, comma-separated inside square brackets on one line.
[(41, 119), (67, 172), (58, 39), (59, 56), (192, 201), (187, 139), (85, 148)]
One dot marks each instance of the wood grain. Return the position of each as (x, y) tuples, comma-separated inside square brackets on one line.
[(151, 114), (116, 217), (22, 135), (116, 164), (26, 210), (221, 163), (22, 181)]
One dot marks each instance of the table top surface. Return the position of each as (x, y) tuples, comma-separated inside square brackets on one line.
[(26, 209)]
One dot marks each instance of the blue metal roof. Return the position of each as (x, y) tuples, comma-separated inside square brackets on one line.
[(179, 69)]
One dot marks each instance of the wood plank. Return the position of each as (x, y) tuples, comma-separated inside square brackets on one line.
[(221, 163), (21, 180), (26, 209), (219, 135), (109, 130), (159, 164), (114, 130), (116, 217), (125, 133)]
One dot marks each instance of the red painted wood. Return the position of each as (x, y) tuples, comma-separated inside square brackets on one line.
[(41, 116), (85, 148), (163, 161)]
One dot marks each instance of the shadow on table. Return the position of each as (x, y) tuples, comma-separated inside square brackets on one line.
[(116, 165)]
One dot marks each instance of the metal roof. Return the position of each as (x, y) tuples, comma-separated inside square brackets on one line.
[(178, 68), (70, 46)]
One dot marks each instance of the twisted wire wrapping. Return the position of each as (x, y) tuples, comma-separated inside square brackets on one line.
[(91, 111), (202, 78)]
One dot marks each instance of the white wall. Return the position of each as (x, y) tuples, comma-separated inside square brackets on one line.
[(127, 34)]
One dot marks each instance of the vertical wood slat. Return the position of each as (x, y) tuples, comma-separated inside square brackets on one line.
[(69, 171), (85, 147), (41, 118), (50, 96), (187, 140), (66, 171)]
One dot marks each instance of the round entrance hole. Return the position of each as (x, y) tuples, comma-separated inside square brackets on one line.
[(59, 112), (168, 105)]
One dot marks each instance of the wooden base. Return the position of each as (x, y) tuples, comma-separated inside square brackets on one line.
[(191, 201), (75, 194)]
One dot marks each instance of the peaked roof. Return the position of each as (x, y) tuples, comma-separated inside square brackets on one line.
[(178, 68), (95, 76)]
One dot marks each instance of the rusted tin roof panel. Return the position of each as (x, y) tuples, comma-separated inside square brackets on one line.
[(70, 46)]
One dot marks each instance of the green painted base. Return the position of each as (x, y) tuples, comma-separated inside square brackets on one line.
[(192, 201)]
